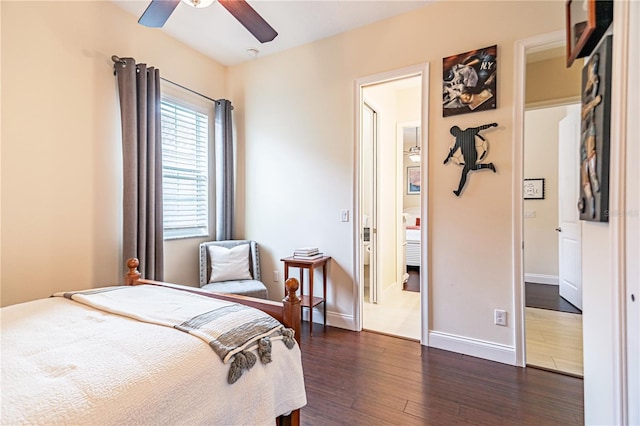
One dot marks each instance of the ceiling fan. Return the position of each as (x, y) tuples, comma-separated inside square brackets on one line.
[(414, 151), (159, 11)]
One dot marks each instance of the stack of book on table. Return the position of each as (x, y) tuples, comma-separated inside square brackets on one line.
[(307, 253)]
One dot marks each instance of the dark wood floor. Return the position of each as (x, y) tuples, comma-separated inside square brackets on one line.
[(413, 283), (372, 379), (546, 296)]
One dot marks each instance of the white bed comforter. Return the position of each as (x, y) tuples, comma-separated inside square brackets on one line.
[(66, 363), (413, 235)]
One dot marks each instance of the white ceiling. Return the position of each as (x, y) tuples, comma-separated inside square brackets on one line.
[(216, 33)]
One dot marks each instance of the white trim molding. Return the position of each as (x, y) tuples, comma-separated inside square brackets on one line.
[(553, 102), (542, 279), (623, 76), (334, 319), (631, 391), (522, 47), (473, 347)]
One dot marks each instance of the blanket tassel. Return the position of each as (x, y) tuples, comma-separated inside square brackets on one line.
[(241, 361), (264, 350), (288, 338)]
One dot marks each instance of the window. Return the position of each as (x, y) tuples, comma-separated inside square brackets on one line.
[(186, 141)]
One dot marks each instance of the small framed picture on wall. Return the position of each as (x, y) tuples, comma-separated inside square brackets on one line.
[(413, 180), (533, 189)]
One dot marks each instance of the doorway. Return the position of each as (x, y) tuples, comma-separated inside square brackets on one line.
[(551, 229), (390, 125), (552, 258)]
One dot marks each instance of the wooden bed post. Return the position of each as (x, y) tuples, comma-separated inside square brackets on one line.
[(133, 275), (291, 310)]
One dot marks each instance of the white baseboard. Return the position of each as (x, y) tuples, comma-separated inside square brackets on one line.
[(542, 279), (473, 347), (334, 319)]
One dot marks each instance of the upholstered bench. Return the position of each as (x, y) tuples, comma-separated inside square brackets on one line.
[(231, 266)]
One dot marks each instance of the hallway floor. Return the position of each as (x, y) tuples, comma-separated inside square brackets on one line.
[(554, 340), (398, 314)]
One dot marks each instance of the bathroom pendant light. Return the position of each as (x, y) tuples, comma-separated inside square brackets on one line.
[(414, 151)]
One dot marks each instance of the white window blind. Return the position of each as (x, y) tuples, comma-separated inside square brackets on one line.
[(185, 168)]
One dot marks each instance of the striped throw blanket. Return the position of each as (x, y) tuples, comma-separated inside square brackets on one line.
[(233, 331)]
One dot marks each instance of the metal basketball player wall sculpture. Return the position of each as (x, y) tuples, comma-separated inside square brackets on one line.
[(471, 151)]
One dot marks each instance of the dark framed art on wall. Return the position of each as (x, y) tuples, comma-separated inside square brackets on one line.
[(595, 134), (469, 81), (587, 21)]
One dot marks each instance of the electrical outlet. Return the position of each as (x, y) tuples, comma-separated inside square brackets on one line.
[(276, 276), (344, 215), (500, 317)]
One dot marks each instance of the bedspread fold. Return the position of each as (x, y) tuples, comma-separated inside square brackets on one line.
[(233, 331)]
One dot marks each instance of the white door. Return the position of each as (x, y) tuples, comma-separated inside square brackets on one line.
[(569, 229), (632, 231), (369, 196)]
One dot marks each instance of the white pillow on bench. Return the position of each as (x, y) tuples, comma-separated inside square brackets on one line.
[(229, 264)]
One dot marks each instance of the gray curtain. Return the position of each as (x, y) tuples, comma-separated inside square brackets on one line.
[(225, 177), (139, 91)]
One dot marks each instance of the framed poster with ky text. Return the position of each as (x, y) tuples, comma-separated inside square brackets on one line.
[(469, 81)]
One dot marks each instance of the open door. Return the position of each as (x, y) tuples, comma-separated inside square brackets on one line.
[(569, 229), (369, 201)]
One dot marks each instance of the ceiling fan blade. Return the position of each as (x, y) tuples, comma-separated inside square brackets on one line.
[(158, 12), (251, 20)]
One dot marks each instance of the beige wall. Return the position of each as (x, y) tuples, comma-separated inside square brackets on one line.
[(550, 80), (310, 91), (61, 152), (541, 161), (295, 116)]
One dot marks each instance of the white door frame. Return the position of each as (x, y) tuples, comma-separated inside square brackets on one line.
[(423, 71), (621, 408), (630, 229), (522, 47), (624, 113)]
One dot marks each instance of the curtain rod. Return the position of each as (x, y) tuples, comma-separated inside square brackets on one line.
[(190, 90), (117, 59)]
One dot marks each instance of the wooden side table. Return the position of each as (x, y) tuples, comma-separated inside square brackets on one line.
[(309, 300)]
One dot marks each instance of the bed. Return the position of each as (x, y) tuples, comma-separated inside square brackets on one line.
[(113, 356), (412, 236)]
